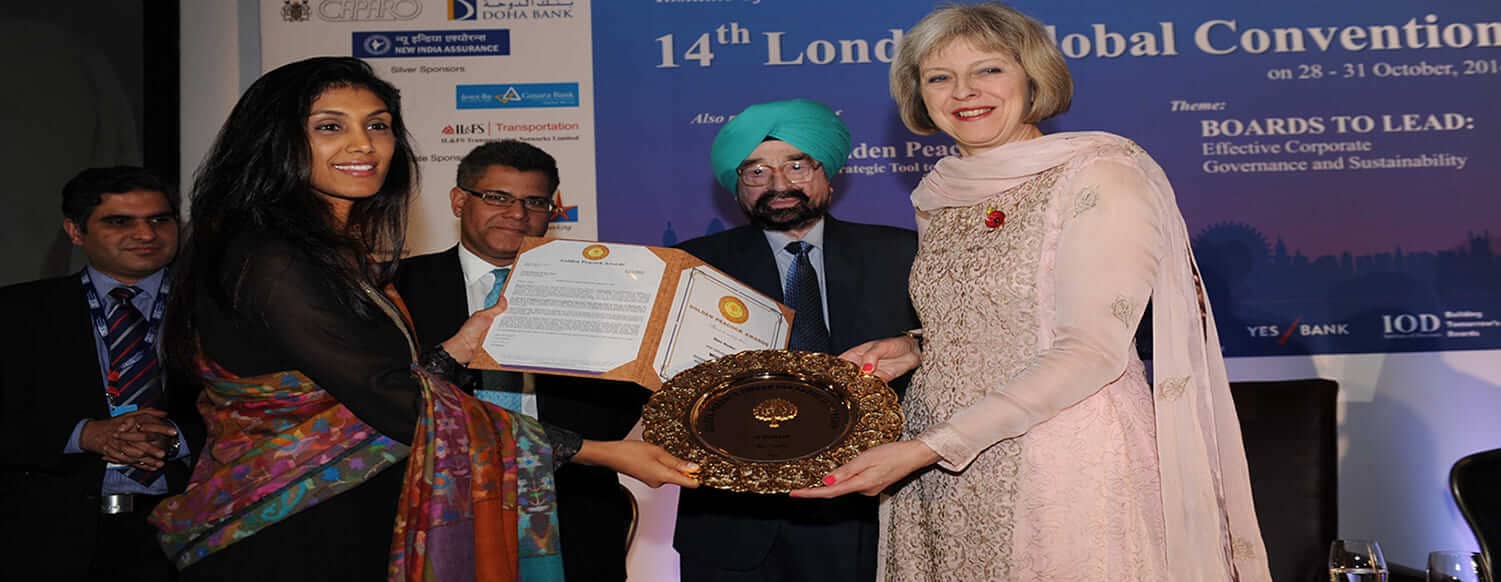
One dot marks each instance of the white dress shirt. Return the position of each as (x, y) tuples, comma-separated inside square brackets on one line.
[(479, 278)]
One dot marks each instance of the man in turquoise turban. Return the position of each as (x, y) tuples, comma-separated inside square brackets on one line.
[(768, 157), (848, 283)]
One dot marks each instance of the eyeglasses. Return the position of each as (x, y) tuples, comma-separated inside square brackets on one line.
[(506, 200), (795, 171)]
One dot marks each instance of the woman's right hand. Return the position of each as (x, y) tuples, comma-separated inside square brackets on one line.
[(886, 358), (467, 341), (648, 463)]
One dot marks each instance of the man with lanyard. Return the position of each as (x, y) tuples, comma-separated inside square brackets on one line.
[(848, 283), (89, 445)]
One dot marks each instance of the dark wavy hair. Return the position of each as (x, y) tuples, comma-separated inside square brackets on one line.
[(255, 178)]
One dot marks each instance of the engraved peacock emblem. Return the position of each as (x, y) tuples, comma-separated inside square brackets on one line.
[(774, 411)]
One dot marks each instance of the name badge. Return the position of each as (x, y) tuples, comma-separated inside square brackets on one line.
[(124, 409)]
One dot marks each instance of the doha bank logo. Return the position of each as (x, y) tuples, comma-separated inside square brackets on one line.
[(509, 9)]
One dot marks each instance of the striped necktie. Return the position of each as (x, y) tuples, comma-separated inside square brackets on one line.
[(134, 373)]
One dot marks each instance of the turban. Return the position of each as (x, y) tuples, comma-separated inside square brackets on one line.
[(807, 125)]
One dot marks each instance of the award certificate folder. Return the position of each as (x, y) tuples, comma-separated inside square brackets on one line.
[(624, 312)]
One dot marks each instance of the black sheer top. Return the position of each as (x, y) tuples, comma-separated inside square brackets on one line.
[(287, 317)]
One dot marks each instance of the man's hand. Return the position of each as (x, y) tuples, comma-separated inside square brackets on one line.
[(138, 439)]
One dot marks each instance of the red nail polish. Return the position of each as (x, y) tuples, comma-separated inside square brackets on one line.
[(867, 368), (829, 480)]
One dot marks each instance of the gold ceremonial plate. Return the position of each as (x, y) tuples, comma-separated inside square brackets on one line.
[(771, 421)]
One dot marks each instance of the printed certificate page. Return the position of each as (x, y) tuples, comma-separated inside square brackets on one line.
[(576, 306), (714, 315)]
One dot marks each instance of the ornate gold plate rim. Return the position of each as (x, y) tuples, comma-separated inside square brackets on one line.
[(667, 422)]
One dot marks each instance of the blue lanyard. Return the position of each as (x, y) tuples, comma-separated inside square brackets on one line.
[(101, 323)]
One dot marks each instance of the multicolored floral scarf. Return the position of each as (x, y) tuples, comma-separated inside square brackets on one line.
[(478, 502), (278, 444)]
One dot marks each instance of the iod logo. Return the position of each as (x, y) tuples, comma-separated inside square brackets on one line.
[(1410, 325)]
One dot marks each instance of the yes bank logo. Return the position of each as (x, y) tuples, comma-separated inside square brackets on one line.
[(509, 9), (516, 96), (1298, 328)]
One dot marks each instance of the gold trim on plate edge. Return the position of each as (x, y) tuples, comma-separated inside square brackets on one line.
[(869, 407)]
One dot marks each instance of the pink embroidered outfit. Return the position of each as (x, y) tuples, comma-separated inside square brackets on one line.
[(1060, 461)]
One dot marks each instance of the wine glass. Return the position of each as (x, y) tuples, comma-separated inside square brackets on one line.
[(1356, 561), (1451, 566)]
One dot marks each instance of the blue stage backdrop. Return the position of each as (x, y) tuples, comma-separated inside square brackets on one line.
[(1337, 161)]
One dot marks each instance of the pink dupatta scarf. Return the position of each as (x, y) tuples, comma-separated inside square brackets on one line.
[(1210, 522)]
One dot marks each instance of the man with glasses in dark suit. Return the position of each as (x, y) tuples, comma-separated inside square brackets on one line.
[(505, 191)]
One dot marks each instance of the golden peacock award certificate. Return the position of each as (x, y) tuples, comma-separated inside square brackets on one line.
[(624, 312)]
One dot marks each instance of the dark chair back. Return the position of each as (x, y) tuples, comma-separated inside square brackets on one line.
[(1289, 432), (1475, 482)]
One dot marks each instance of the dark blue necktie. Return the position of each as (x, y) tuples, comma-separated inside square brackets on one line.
[(808, 329), (134, 375)]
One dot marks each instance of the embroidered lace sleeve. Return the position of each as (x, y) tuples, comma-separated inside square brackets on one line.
[(565, 443), (1107, 258)]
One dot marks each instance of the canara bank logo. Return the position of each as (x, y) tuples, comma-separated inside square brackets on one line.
[(517, 96), (509, 9), (1298, 328), (368, 10), (294, 11)]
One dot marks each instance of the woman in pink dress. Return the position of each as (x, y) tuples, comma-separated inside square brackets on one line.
[(1056, 458)]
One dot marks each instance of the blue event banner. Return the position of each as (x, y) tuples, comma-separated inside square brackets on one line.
[(1337, 167)]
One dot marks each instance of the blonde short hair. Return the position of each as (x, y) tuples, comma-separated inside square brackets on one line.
[(989, 26)]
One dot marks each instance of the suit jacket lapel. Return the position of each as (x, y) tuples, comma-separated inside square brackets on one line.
[(79, 355), (444, 301), (753, 263), (841, 260)]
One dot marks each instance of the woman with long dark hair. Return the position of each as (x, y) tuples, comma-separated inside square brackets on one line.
[(315, 392)]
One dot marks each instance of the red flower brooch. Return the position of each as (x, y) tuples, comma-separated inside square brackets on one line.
[(994, 218)]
